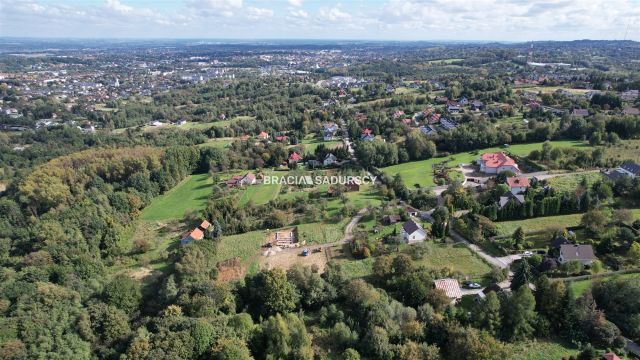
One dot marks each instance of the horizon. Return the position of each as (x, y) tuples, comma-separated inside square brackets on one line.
[(377, 20)]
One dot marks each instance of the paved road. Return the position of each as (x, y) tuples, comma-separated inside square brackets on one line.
[(632, 347)]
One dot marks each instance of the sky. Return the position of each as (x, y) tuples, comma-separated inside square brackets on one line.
[(485, 20)]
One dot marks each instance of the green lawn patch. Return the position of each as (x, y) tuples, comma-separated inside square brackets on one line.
[(259, 194), (245, 246), (580, 286), (190, 194), (568, 183), (421, 172), (541, 350), (456, 257), (539, 224), (321, 233)]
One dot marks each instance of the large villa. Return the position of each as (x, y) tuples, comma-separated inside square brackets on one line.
[(494, 163)]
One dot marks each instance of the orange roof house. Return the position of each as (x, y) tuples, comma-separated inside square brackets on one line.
[(493, 163)]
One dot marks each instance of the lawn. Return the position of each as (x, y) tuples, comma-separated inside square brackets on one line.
[(245, 246), (190, 194), (420, 173), (569, 183), (551, 89), (310, 145), (581, 286), (321, 233), (217, 143), (456, 257), (626, 150), (541, 350), (259, 194), (539, 224)]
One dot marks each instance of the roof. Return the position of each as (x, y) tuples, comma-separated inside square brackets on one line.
[(450, 287), (631, 167), (367, 132), (410, 227), (504, 200), (195, 234), (250, 177), (577, 252), (610, 356), (295, 157), (518, 181), (631, 111), (204, 225), (580, 112), (497, 159), (263, 135)]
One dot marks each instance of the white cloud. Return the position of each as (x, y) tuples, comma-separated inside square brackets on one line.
[(334, 14), (296, 3), (299, 14), (117, 6), (255, 13)]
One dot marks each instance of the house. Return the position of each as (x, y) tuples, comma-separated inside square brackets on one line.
[(240, 180), (329, 131), (477, 105), (580, 112), (627, 168), (194, 235), (411, 211), (263, 136), (366, 135), (412, 232), (427, 130), (390, 219), (434, 118), (510, 197), (581, 253), (204, 225), (453, 107), (329, 160), (450, 287), (314, 163), (494, 163), (518, 184), (156, 123), (447, 124), (398, 113), (294, 158), (282, 138), (610, 356), (631, 111), (484, 292)]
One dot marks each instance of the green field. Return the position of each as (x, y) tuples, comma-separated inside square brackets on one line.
[(569, 183), (217, 143), (581, 286), (321, 233), (191, 193), (310, 145), (434, 256), (455, 257), (420, 172), (259, 194), (541, 350), (245, 246), (539, 224)]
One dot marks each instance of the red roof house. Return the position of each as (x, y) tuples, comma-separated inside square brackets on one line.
[(493, 163), (518, 184), (294, 158), (263, 135)]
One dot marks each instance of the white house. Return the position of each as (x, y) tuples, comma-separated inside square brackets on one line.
[(329, 159), (581, 253), (493, 163), (412, 232), (518, 184)]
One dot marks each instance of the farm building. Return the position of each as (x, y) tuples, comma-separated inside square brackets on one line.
[(450, 287)]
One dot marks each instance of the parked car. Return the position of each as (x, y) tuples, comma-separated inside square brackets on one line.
[(472, 285), (305, 252), (527, 254)]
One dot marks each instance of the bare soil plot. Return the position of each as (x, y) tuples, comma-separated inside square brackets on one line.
[(144, 273), (288, 258), (230, 269)]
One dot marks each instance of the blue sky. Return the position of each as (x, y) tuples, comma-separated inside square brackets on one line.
[(503, 20)]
